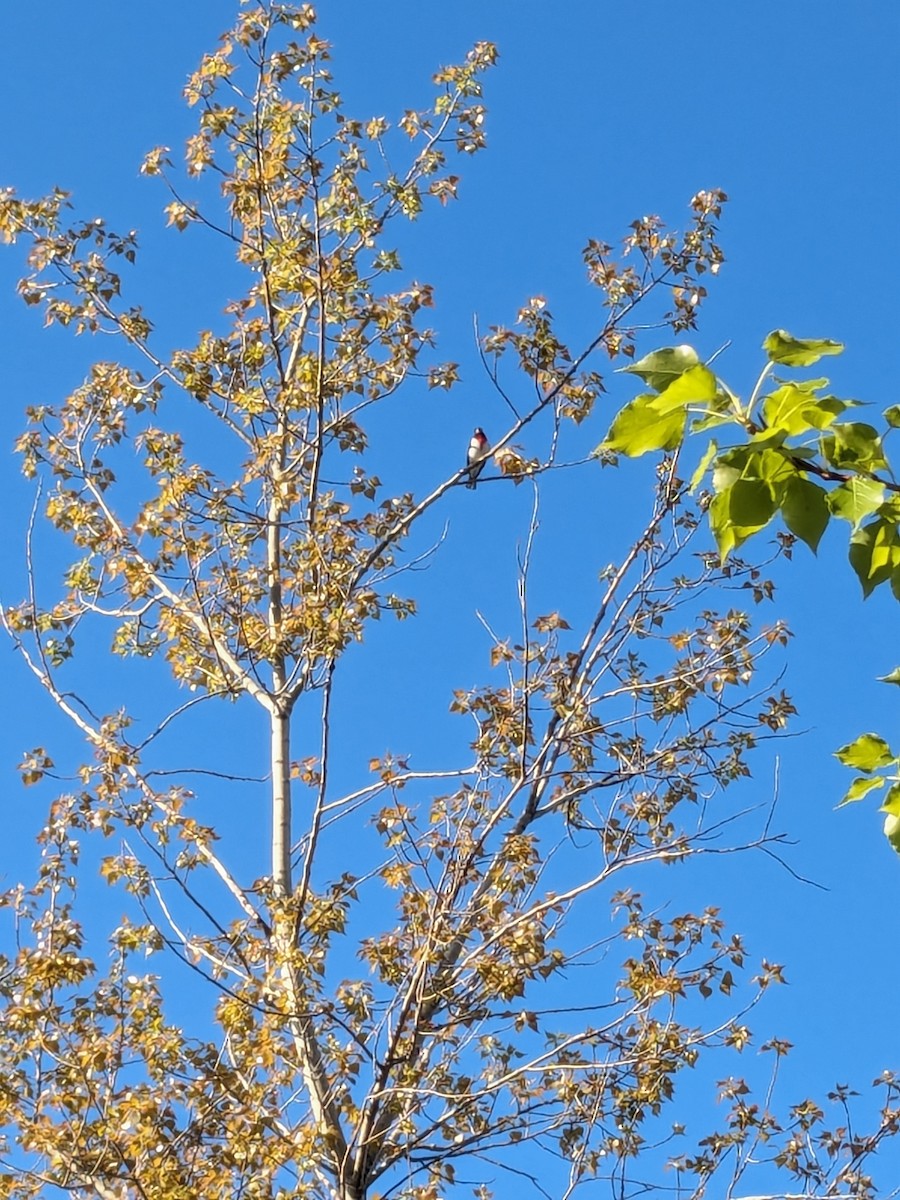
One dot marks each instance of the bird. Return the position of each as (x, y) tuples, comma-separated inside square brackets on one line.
[(479, 447)]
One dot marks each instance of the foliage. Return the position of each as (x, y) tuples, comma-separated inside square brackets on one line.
[(789, 451), (389, 998)]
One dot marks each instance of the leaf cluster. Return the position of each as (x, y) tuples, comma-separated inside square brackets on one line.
[(790, 452)]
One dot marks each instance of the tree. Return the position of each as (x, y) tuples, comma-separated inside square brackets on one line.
[(389, 997)]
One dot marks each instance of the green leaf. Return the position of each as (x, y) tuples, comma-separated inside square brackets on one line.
[(856, 499), (804, 507), (853, 444), (810, 386), (771, 466), (826, 408), (661, 367), (793, 409), (892, 416), (866, 753), (697, 385), (860, 788), (752, 505), (874, 554), (702, 466), (782, 347), (892, 830), (894, 677), (716, 415), (721, 525), (785, 409), (753, 462), (892, 801), (730, 467), (885, 550), (768, 439), (739, 511), (641, 426)]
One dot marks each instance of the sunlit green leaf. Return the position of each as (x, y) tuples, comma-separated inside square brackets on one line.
[(810, 386), (661, 367), (892, 830), (696, 386), (874, 554), (856, 499), (703, 465), (740, 511), (893, 677), (804, 507), (866, 753), (730, 467), (782, 347), (719, 413), (772, 466), (721, 525), (892, 800), (785, 409), (768, 439), (861, 787), (752, 504), (822, 413), (641, 426), (794, 409), (853, 444)]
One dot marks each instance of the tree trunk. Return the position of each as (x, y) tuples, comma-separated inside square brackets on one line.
[(281, 802)]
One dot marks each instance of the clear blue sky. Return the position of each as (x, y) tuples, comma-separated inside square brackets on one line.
[(598, 113)]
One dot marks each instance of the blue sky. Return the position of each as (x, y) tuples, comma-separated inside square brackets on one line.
[(598, 113)]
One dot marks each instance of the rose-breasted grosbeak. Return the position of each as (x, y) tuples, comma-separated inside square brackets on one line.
[(479, 448)]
